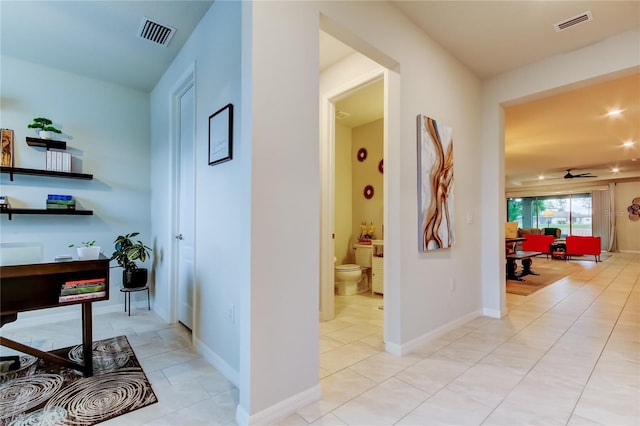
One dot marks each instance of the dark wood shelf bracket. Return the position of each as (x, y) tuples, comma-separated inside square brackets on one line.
[(70, 212), (46, 143), (37, 172)]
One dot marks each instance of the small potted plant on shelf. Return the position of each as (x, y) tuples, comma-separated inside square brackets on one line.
[(127, 251), (87, 250), (45, 127)]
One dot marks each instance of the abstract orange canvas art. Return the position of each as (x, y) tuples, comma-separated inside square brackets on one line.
[(435, 185)]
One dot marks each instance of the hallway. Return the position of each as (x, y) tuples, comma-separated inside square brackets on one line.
[(566, 355)]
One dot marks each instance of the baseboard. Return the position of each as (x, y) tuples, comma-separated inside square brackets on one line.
[(414, 344), (219, 363), (279, 411), (393, 348), (493, 313)]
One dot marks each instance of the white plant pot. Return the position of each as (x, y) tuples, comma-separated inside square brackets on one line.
[(88, 253), (44, 134)]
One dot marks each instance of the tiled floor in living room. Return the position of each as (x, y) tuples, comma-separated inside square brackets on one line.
[(568, 354)]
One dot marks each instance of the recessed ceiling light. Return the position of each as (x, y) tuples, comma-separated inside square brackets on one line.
[(615, 170), (614, 112), (628, 144), (541, 177)]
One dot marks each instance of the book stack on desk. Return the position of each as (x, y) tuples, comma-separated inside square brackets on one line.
[(82, 290), (64, 202)]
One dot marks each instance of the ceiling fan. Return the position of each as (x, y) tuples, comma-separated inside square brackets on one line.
[(570, 175)]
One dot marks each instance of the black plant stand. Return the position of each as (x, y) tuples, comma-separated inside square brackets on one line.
[(127, 296)]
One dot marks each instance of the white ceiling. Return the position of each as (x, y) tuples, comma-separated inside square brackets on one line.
[(491, 37), (98, 39), (546, 136)]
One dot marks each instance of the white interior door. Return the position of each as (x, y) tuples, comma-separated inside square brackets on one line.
[(186, 217)]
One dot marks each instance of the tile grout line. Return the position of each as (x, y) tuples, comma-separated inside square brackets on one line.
[(556, 340), (626, 302)]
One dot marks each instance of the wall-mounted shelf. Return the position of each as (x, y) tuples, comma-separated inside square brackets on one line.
[(37, 172), (60, 212), (45, 173), (46, 143)]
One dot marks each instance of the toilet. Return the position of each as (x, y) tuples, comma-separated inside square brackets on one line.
[(350, 275)]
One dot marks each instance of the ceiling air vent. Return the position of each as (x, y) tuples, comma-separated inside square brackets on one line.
[(578, 19), (341, 115), (155, 33)]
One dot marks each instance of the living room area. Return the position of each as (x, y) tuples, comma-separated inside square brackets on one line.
[(572, 179), (562, 239)]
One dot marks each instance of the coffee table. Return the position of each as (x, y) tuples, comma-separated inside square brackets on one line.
[(525, 257)]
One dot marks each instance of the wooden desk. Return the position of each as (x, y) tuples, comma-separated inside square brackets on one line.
[(37, 286), (525, 256)]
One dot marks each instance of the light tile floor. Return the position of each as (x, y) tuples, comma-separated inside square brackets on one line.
[(568, 354), (189, 390)]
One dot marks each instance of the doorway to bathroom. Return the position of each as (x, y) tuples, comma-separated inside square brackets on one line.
[(353, 143), (359, 190)]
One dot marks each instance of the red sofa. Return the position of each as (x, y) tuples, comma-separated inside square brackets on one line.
[(578, 246), (539, 243)]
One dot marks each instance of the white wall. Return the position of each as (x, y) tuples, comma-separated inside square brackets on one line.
[(223, 210), (627, 231), (432, 83), (106, 127), (617, 54), (284, 334), (283, 337)]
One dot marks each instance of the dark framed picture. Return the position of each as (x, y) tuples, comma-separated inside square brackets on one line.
[(221, 135)]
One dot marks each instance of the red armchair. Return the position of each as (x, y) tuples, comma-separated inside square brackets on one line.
[(577, 246), (539, 243)]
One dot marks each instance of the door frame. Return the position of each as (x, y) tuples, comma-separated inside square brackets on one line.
[(327, 183), (186, 81)]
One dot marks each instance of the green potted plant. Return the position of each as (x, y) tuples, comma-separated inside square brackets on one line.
[(45, 126), (126, 252), (87, 250)]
